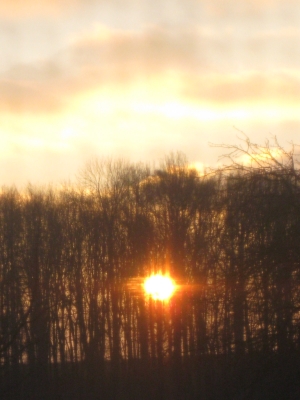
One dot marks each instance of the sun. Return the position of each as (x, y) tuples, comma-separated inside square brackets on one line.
[(159, 287)]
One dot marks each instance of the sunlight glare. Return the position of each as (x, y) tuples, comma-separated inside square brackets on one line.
[(159, 287)]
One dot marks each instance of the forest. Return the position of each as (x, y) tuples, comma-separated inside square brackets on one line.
[(74, 320)]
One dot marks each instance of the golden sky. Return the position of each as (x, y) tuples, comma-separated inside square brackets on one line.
[(140, 78)]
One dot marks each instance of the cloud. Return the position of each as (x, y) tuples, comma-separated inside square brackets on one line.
[(199, 49), (33, 88), (191, 64), (247, 88), (22, 9), (158, 76), (17, 9), (104, 58), (146, 51), (251, 8), (17, 97)]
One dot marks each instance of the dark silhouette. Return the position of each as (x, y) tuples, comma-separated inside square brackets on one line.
[(74, 321)]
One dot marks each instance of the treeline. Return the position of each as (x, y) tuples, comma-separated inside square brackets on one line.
[(72, 262)]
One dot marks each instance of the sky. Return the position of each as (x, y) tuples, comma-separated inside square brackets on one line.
[(138, 79)]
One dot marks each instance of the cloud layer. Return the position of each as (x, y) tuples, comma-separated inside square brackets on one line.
[(195, 64), (141, 78)]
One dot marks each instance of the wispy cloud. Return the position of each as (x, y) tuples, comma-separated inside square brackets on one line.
[(191, 64), (143, 77)]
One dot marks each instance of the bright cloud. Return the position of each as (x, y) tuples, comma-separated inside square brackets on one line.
[(167, 66), (86, 78)]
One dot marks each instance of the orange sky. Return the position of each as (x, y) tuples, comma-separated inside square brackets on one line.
[(138, 79)]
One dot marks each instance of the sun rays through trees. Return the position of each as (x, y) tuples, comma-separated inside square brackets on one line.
[(73, 261)]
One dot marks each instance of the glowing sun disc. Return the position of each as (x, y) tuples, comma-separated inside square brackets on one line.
[(159, 287)]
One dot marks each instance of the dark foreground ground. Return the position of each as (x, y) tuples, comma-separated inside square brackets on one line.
[(265, 377)]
